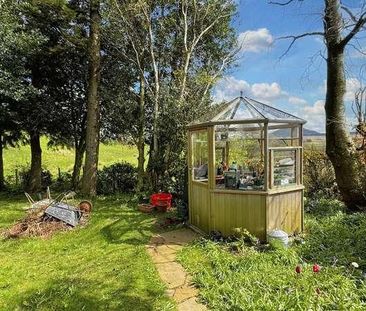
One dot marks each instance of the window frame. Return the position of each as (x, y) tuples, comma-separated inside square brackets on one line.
[(298, 166)]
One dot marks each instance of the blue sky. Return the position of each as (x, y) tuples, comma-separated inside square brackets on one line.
[(295, 82)]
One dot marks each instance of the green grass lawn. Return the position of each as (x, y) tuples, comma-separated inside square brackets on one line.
[(236, 276), (63, 158), (103, 266)]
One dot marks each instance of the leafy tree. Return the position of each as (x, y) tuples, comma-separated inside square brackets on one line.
[(68, 117), (16, 44), (179, 48)]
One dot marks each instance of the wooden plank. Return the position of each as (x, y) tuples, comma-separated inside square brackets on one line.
[(240, 192), (289, 122), (284, 189), (286, 148), (235, 210), (284, 211)]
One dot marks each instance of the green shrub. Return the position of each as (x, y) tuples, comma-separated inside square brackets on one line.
[(24, 174), (63, 182), (319, 177), (323, 207), (117, 178)]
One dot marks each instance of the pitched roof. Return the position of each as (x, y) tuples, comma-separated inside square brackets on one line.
[(247, 109)]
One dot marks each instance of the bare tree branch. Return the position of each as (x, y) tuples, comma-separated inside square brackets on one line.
[(295, 38), (349, 12), (357, 49), (357, 27), (282, 3)]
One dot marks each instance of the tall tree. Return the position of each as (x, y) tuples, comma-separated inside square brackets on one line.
[(179, 48), (68, 128), (89, 180), (339, 145), (17, 45)]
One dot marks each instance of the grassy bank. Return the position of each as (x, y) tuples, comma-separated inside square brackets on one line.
[(101, 267), (236, 276)]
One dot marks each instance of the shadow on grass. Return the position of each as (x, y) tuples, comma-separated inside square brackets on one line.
[(128, 225), (128, 229), (75, 294)]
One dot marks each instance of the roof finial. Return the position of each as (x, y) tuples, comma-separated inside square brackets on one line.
[(241, 93)]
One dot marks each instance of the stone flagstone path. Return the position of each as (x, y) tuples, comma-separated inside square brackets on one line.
[(163, 249)]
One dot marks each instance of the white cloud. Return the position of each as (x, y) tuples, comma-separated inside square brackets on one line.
[(255, 41), (230, 87), (318, 108), (315, 116), (267, 91), (352, 86), (297, 100)]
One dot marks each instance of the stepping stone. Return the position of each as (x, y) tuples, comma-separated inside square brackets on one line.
[(163, 249), (184, 293), (172, 273), (191, 305)]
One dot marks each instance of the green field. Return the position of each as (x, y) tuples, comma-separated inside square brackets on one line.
[(63, 158)]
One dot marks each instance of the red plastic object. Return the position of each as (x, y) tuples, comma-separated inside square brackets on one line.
[(161, 199)]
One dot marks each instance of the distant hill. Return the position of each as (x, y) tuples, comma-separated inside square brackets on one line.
[(286, 133), (308, 132)]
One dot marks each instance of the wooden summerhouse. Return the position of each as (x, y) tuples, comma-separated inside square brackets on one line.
[(245, 169)]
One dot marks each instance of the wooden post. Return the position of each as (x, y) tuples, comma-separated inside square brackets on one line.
[(59, 173), (189, 164), (301, 153), (211, 171), (211, 158), (266, 158), (16, 177), (227, 152), (301, 174)]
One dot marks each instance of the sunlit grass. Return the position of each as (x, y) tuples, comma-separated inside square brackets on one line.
[(63, 158), (103, 266), (257, 279)]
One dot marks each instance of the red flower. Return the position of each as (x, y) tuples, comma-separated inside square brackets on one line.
[(316, 268), (298, 269)]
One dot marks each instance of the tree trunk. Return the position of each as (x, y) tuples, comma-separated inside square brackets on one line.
[(79, 154), (2, 179), (339, 145), (185, 73), (89, 182), (141, 137), (35, 175)]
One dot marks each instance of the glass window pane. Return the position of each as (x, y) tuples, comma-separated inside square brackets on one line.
[(284, 167), (239, 158), (200, 156), (283, 137)]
